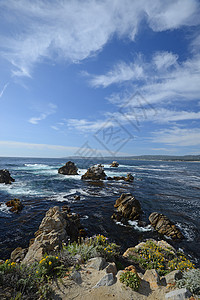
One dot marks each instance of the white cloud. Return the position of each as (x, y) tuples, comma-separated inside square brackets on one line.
[(170, 80), (121, 72), (89, 126), (178, 136), (164, 60), (74, 30), (23, 149), (3, 90), (51, 109)]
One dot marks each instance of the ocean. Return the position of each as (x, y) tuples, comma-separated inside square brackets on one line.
[(170, 188)]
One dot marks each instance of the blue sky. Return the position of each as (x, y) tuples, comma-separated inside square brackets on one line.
[(99, 77)]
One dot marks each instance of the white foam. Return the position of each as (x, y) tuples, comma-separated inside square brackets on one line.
[(140, 228), (4, 209)]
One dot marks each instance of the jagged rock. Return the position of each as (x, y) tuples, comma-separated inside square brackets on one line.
[(164, 226), (15, 205), (106, 280), (179, 294), (128, 178), (114, 164), (66, 208), (77, 197), (95, 173), (153, 278), (5, 177), (18, 254), (97, 263), (111, 268), (127, 208), (57, 227), (68, 169)]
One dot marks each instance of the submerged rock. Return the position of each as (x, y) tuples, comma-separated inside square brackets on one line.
[(15, 204), (68, 169), (5, 177), (95, 173), (56, 228), (127, 208), (164, 226), (114, 164)]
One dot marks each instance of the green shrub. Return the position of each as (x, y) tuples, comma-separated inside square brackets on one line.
[(152, 256), (191, 280), (97, 245), (49, 267), (22, 282), (130, 279)]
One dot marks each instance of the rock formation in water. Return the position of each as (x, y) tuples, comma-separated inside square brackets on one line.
[(68, 169), (128, 208), (114, 164), (128, 178), (95, 173), (5, 177), (15, 205), (164, 226)]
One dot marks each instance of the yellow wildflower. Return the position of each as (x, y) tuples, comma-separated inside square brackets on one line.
[(50, 262)]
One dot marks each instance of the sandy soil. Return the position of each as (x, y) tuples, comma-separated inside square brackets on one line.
[(68, 289)]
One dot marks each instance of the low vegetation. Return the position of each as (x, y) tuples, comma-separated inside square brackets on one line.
[(130, 279), (191, 280), (22, 282), (164, 260)]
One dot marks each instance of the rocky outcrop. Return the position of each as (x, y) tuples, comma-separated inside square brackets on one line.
[(128, 208), (18, 254), (114, 164), (68, 169), (5, 177), (94, 173), (15, 205), (128, 178), (56, 228), (164, 226)]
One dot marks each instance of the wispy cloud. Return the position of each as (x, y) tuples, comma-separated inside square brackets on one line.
[(32, 149), (3, 90), (165, 79), (122, 72), (51, 109), (62, 29), (178, 136)]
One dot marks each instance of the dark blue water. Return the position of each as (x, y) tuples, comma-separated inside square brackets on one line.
[(171, 188)]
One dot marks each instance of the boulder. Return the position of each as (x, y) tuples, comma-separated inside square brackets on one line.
[(153, 278), (106, 280), (178, 294), (128, 208), (164, 226), (5, 177), (68, 169), (111, 268), (97, 263), (15, 204), (173, 276), (114, 164), (56, 228), (95, 173)]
